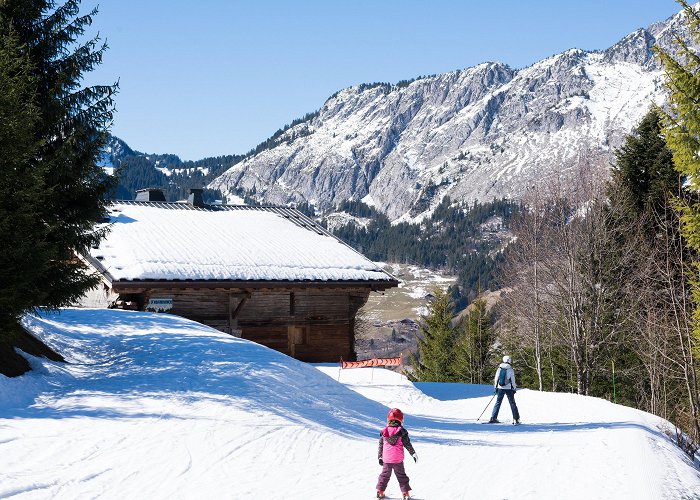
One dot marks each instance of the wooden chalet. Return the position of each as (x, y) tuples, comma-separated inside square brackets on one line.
[(267, 274)]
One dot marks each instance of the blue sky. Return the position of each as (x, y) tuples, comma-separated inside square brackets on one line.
[(217, 77)]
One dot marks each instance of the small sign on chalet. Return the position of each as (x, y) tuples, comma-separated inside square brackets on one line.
[(268, 274)]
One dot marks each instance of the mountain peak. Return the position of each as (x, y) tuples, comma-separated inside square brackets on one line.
[(473, 134)]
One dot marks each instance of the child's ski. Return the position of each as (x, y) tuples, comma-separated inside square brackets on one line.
[(387, 497)]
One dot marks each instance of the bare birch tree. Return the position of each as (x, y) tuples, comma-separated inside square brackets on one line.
[(523, 306), (565, 275)]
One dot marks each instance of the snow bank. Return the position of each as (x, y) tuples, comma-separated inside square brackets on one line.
[(156, 406)]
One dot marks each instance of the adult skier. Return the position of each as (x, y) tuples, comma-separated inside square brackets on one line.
[(504, 385)]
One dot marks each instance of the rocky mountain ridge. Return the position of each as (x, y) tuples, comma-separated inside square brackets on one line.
[(485, 132)]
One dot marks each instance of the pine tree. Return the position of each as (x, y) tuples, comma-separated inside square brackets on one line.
[(681, 128), (436, 344), (64, 130), (641, 196), (474, 345), (645, 167), (21, 188), (682, 131)]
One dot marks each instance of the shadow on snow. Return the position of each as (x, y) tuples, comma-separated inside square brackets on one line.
[(125, 365)]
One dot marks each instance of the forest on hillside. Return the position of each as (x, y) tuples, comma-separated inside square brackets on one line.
[(175, 177), (600, 291), (136, 170), (465, 240)]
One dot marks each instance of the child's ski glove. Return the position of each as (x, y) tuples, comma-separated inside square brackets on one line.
[(381, 462), (415, 457)]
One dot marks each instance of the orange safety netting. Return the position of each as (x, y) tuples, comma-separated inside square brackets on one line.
[(371, 362)]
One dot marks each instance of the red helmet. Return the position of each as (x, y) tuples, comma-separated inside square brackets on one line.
[(395, 414)]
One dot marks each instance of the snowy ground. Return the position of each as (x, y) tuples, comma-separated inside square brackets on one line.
[(155, 406)]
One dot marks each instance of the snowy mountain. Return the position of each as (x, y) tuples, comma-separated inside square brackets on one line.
[(164, 171), (474, 134), (117, 150), (156, 406)]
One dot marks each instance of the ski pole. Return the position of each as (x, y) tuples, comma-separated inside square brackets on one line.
[(487, 405)]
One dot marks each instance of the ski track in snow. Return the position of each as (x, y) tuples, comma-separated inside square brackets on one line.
[(155, 406)]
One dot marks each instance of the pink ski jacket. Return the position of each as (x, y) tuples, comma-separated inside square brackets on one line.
[(392, 441)]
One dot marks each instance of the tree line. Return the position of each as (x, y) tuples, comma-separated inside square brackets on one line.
[(139, 172), (453, 239), (596, 290), (602, 284), (601, 301)]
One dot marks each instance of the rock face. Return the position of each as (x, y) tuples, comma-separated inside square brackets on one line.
[(474, 134)]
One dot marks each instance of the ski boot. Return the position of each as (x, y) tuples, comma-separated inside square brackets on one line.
[(406, 495), (380, 494)]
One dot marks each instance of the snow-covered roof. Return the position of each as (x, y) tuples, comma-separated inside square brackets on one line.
[(177, 241)]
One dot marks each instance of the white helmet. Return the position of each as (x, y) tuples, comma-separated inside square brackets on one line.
[(506, 359)]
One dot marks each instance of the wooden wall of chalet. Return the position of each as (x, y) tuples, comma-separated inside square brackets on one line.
[(310, 325)]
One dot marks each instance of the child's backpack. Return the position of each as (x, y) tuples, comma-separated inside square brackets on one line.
[(502, 377)]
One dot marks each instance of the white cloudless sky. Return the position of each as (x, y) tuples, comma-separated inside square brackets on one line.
[(216, 77)]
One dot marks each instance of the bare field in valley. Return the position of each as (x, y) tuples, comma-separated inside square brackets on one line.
[(387, 325)]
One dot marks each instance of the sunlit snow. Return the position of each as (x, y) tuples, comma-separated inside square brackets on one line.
[(159, 407)]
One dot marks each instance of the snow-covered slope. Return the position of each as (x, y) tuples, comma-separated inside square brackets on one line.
[(155, 406), (483, 132)]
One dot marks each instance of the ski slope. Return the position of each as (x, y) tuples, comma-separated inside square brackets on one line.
[(158, 407)]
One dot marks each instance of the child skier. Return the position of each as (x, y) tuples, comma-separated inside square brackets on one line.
[(392, 440)]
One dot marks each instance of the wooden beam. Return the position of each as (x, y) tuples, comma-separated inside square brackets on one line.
[(235, 313), (230, 312)]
